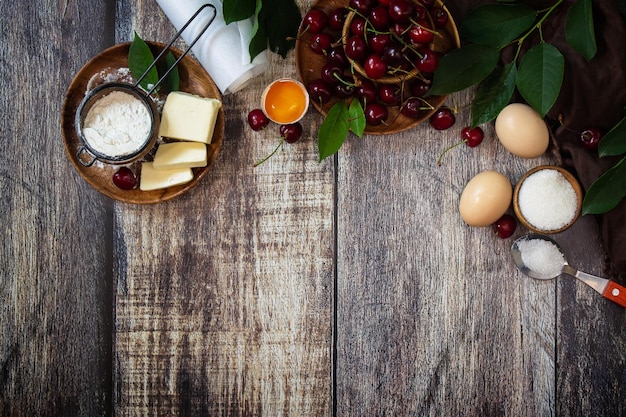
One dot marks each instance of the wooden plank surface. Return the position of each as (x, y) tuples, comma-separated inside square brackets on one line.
[(55, 278), (350, 287), (232, 314)]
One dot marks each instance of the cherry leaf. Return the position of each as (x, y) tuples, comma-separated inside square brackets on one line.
[(172, 80), (497, 24), (579, 30), (540, 75), (333, 131), (356, 118), (614, 142), (463, 67), (607, 191), (236, 10), (140, 57), (280, 20), (493, 94)]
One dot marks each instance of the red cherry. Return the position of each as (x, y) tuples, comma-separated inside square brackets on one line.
[(362, 6), (319, 91), (419, 88), (412, 108), (401, 10), (356, 48), (440, 17), (505, 226), (389, 94), (442, 119), (357, 27), (366, 91), (375, 114), (315, 20), (321, 43), (421, 32), (472, 136), (337, 18), (257, 119), (374, 67), (124, 179), (379, 42), (291, 132), (591, 138), (428, 60), (379, 17)]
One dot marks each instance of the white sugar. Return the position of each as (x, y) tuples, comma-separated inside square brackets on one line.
[(547, 200), (542, 257)]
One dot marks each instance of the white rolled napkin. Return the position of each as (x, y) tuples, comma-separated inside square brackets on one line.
[(223, 49)]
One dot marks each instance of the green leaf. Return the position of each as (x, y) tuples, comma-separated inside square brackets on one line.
[(139, 59), (333, 131), (493, 94), (236, 10), (356, 118), (614, 142), (497, 24), (607, 191), (172, 81), (464, 67), (579, 30), (540, 75), (280, 19), (258, 41)]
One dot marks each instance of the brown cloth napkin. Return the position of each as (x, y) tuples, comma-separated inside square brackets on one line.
[(593, 94)]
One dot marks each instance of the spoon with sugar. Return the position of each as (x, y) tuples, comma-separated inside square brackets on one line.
[(540, 257)]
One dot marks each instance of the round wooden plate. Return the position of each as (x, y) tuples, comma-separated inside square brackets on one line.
[(309, 64), (193, 79)]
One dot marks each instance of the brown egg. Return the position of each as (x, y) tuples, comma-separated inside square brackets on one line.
[(522, 131), (485, 198)]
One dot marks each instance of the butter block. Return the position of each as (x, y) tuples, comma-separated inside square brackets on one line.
[(154, 179), (180, 155), (189, 117)]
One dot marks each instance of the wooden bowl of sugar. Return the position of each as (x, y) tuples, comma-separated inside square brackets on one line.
[(547, 199)]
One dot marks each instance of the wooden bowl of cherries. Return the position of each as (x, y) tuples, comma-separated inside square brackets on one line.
[(381, 52)]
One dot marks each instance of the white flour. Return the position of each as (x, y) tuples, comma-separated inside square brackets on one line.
[(117, 125)]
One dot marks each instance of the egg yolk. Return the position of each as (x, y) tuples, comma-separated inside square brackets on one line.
[(285, 102)]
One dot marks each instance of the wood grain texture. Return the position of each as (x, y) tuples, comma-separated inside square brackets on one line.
[(55, 280), (232, 313)]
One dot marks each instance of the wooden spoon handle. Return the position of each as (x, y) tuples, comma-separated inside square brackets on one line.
[(616, 293)]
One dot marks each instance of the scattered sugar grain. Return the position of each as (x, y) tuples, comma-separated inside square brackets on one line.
[(547, 200), (542, 257)]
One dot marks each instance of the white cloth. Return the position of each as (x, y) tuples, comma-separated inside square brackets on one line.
[(223, 49)]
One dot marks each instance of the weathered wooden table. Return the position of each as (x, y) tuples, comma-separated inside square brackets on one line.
[(349, 287)]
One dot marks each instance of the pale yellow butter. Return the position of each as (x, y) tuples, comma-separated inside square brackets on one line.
[(189, 117), (180, 155), (154, 179)]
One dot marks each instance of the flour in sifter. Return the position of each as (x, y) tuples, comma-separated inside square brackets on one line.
[(118, 124)]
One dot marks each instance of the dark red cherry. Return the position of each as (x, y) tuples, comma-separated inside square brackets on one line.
[(315, 21), (379, 17), (379, 42), (344, 89), (319, 91), (366, 91), (330, 74), (412, 108), (428, 60), (442, 119), (440, 17), (321, 43), (337, 56), (124, 179), (389, 94), (419, 87), (591, 138), (401, 10), (362, 6), (505, 226), (257, 119), (291, 132), (375, 114), (472, 136), (357, 26), (374, 67), (356, 48), (337, 18), (421, 33), (392, 55)]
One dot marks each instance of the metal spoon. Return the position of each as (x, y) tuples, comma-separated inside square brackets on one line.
[(609, 289)]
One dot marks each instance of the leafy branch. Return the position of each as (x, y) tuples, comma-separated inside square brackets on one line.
[(537, 75)]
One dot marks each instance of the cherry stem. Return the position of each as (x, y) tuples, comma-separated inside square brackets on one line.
[(282, 140), (447, 149)]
